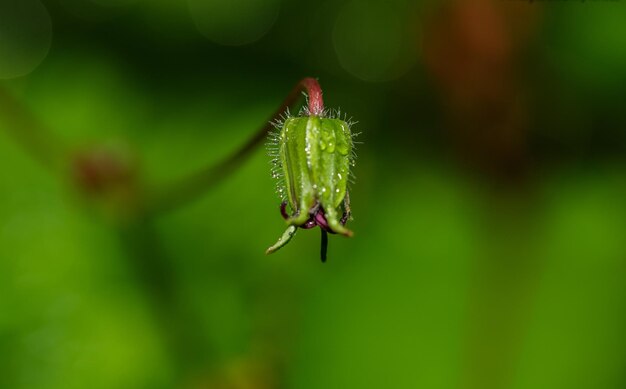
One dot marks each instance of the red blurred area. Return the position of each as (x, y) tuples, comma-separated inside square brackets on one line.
[(473, 49)]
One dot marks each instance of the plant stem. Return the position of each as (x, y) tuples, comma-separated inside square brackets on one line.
[(29, 133), (314, 91), (190, 188), (50, 152)]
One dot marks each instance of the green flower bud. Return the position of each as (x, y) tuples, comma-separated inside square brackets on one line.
[(312, 160)]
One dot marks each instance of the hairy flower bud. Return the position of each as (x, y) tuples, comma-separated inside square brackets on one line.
[(312, 160)]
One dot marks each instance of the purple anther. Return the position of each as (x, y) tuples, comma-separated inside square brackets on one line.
[(321, 221), (309, 224), (344, 218), (283, 210)]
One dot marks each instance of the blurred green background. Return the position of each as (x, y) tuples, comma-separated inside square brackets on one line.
[(489, 207)]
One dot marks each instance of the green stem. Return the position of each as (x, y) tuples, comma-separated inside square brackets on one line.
[(194, 186)]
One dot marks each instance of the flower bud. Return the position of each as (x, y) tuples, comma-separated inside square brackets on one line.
[(312, 160)]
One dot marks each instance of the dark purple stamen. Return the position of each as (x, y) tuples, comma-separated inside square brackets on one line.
[(344, 218), (283, 210), (324, 246), (321, 221), (309, 224), (317, 218)]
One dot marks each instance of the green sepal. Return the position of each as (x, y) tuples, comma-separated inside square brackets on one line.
[(283, 240), (315, 155)]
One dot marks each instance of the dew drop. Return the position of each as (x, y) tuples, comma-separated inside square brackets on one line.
[(327, 138), (342, 148)]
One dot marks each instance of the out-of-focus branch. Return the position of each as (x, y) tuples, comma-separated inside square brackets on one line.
[(43, 146), (31, 134), (190, 188)]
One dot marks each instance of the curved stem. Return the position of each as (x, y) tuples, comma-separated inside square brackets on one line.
[(189, 188), (49, 151), (314, 91), (29, 132)]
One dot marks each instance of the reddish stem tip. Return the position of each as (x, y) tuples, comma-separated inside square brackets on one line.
[(314, 91)]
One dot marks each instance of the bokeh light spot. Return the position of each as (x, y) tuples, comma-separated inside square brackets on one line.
[(373, 42), (234, 22), (25, 36)]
